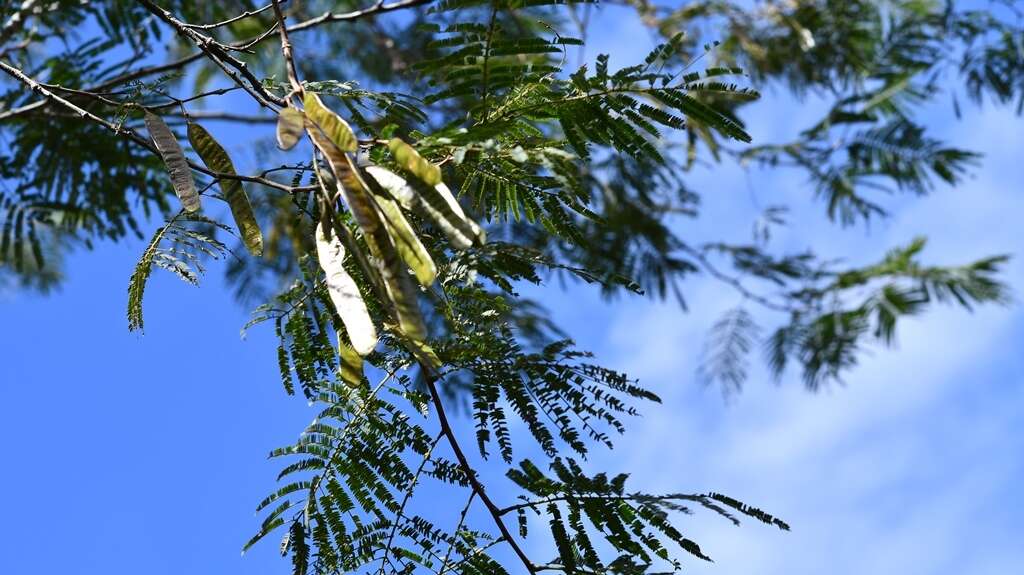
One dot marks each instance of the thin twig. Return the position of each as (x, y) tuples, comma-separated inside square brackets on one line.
[(286, 50), (131, 134), (598, 497), (241, 45), (217, 52), (455, 535), (405, 499), (734, 282), (242, 16), (377, 8)]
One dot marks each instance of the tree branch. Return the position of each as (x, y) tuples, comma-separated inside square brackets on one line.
[(286, 50), (242, 16), (431, 380), (734, 282), (131, 134), (242, 45), (377, 8), (217, 53)]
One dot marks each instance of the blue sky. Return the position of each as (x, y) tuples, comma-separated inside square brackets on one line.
[(126, 452)]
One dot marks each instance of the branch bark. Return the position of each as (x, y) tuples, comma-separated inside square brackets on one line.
[(431, 379), (286, 50), (377, 8), (38, 88), (234, 68)]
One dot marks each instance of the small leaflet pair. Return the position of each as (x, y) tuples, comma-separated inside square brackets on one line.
[(217, 160), (376, 197)]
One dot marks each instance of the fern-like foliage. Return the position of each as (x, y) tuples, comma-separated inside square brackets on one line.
[(179, 248), (726, 357), (634, 525), (825, 334), (471, 158), (344, 503)]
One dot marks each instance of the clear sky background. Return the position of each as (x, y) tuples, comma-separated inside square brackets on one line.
[(125, 453)]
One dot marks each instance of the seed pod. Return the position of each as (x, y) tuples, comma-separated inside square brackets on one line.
[(344, 293), (217, 159), (174, 159), (289, 127)]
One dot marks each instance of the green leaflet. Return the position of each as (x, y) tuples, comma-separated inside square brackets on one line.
[(435, 203), (333, 126), (289, 127), (137, 283), (182, 250), (351, 363), (174, 158), (344, 293), (217, 159), (411, 160), (296, 541), (397, 283)]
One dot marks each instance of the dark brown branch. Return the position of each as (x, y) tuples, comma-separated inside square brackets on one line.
[(220, 116), (234, 68), (119, 104), (286, 50), (148, 71), (45, 92), (256, 40), (119, 80), (378, 8), (242, 16), (431, 380), (241, 45)]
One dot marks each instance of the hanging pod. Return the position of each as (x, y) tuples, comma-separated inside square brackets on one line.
[(412, 161), (217, 159), (408, 244), (333, 126), (435, 203), (174, 159), (351, 363), (289, 127), (356, 194), (344, 293)]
